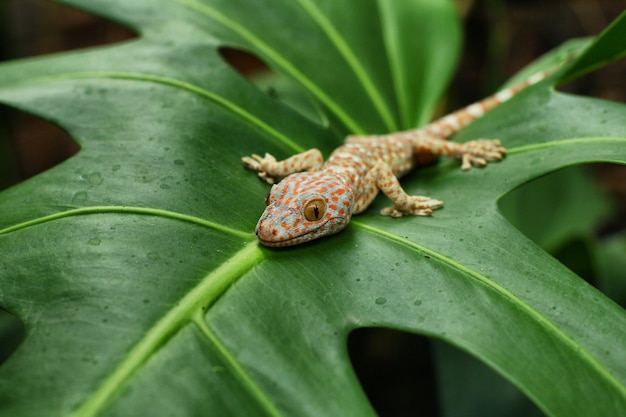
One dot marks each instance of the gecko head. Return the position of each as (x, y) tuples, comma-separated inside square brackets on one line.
[(303, 207)]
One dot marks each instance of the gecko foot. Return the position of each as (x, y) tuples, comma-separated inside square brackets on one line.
[(415, 205), (478, 152), (255, 163)]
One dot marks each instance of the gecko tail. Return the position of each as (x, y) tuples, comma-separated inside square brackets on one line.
[(452, 123), (449, 125)]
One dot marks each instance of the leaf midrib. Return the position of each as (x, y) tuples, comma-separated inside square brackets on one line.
[(190, 309)]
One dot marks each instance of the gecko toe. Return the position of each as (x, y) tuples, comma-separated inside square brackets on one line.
[(415, 206)]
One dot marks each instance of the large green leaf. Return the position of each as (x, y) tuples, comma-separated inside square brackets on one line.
[(135, 270)]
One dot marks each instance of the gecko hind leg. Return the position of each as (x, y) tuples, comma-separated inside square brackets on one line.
[(473, 153), (478, 152)]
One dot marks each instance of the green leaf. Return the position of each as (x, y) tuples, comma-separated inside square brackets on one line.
[(610, 258), (134, 266)]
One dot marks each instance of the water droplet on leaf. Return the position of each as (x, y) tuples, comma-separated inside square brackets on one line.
[(79, 198), (93, 179)]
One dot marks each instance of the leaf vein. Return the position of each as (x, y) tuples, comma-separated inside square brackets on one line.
[(351, 59), (236, 367), (128, 210), (394, 59), (275, 57), (535, 315), (229, 105), (565, 142)]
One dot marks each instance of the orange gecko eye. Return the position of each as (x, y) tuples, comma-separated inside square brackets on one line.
[(314, 209)]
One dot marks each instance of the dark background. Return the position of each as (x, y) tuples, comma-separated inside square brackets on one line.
[(501, 36)]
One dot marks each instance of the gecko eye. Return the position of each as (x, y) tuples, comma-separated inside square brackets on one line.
[(314, 209)]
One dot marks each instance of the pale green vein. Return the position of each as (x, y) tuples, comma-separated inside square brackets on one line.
[(275, 57), (236, 367), (565, 142), (128, 210), (353, 62), (535, 315), (444, 166), (395, 59), (181, 314), (229, 105)]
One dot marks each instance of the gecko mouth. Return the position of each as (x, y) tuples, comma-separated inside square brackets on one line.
[(289, 240), (276, 236)]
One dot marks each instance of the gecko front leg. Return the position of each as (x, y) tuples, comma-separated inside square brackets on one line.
[(269, 169), (381, 177)]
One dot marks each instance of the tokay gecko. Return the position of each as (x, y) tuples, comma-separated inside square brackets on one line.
[(316, 199)]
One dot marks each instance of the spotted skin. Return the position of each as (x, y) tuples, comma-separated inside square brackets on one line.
[(316, 199)]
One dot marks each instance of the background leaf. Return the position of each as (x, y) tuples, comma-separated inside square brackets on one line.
[(561, 220), (133, 264)]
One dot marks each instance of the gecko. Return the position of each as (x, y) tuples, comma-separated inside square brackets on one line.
[(317, 198)]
